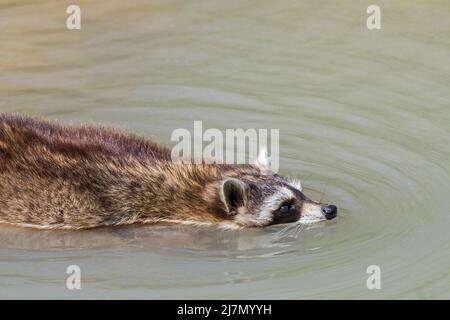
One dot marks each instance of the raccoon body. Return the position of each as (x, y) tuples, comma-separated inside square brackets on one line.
[(54, 176)]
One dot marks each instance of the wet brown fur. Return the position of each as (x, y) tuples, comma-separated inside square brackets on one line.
[(74, 177)]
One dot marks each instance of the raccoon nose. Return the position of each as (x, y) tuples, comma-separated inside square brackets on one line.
[(330, 211)]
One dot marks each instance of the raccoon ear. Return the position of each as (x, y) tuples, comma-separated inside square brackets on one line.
[(233, 193)]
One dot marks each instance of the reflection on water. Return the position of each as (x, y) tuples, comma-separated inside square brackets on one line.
[(363, 118), (270, 240)]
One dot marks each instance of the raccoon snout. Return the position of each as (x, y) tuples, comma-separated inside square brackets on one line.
[(329, 211)]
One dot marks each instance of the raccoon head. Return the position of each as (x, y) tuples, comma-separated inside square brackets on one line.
[(254, 200), (255, 197)]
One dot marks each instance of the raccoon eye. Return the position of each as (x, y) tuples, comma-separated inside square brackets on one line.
[(286, 208)]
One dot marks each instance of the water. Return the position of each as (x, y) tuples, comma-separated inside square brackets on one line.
[(363, 117)]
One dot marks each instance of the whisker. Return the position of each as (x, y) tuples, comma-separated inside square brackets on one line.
[(289, 226), (300, 228)]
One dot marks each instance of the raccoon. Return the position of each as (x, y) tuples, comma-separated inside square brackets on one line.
[(55, 176)]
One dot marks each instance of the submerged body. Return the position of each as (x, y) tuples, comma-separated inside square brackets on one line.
[(62, 177)]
